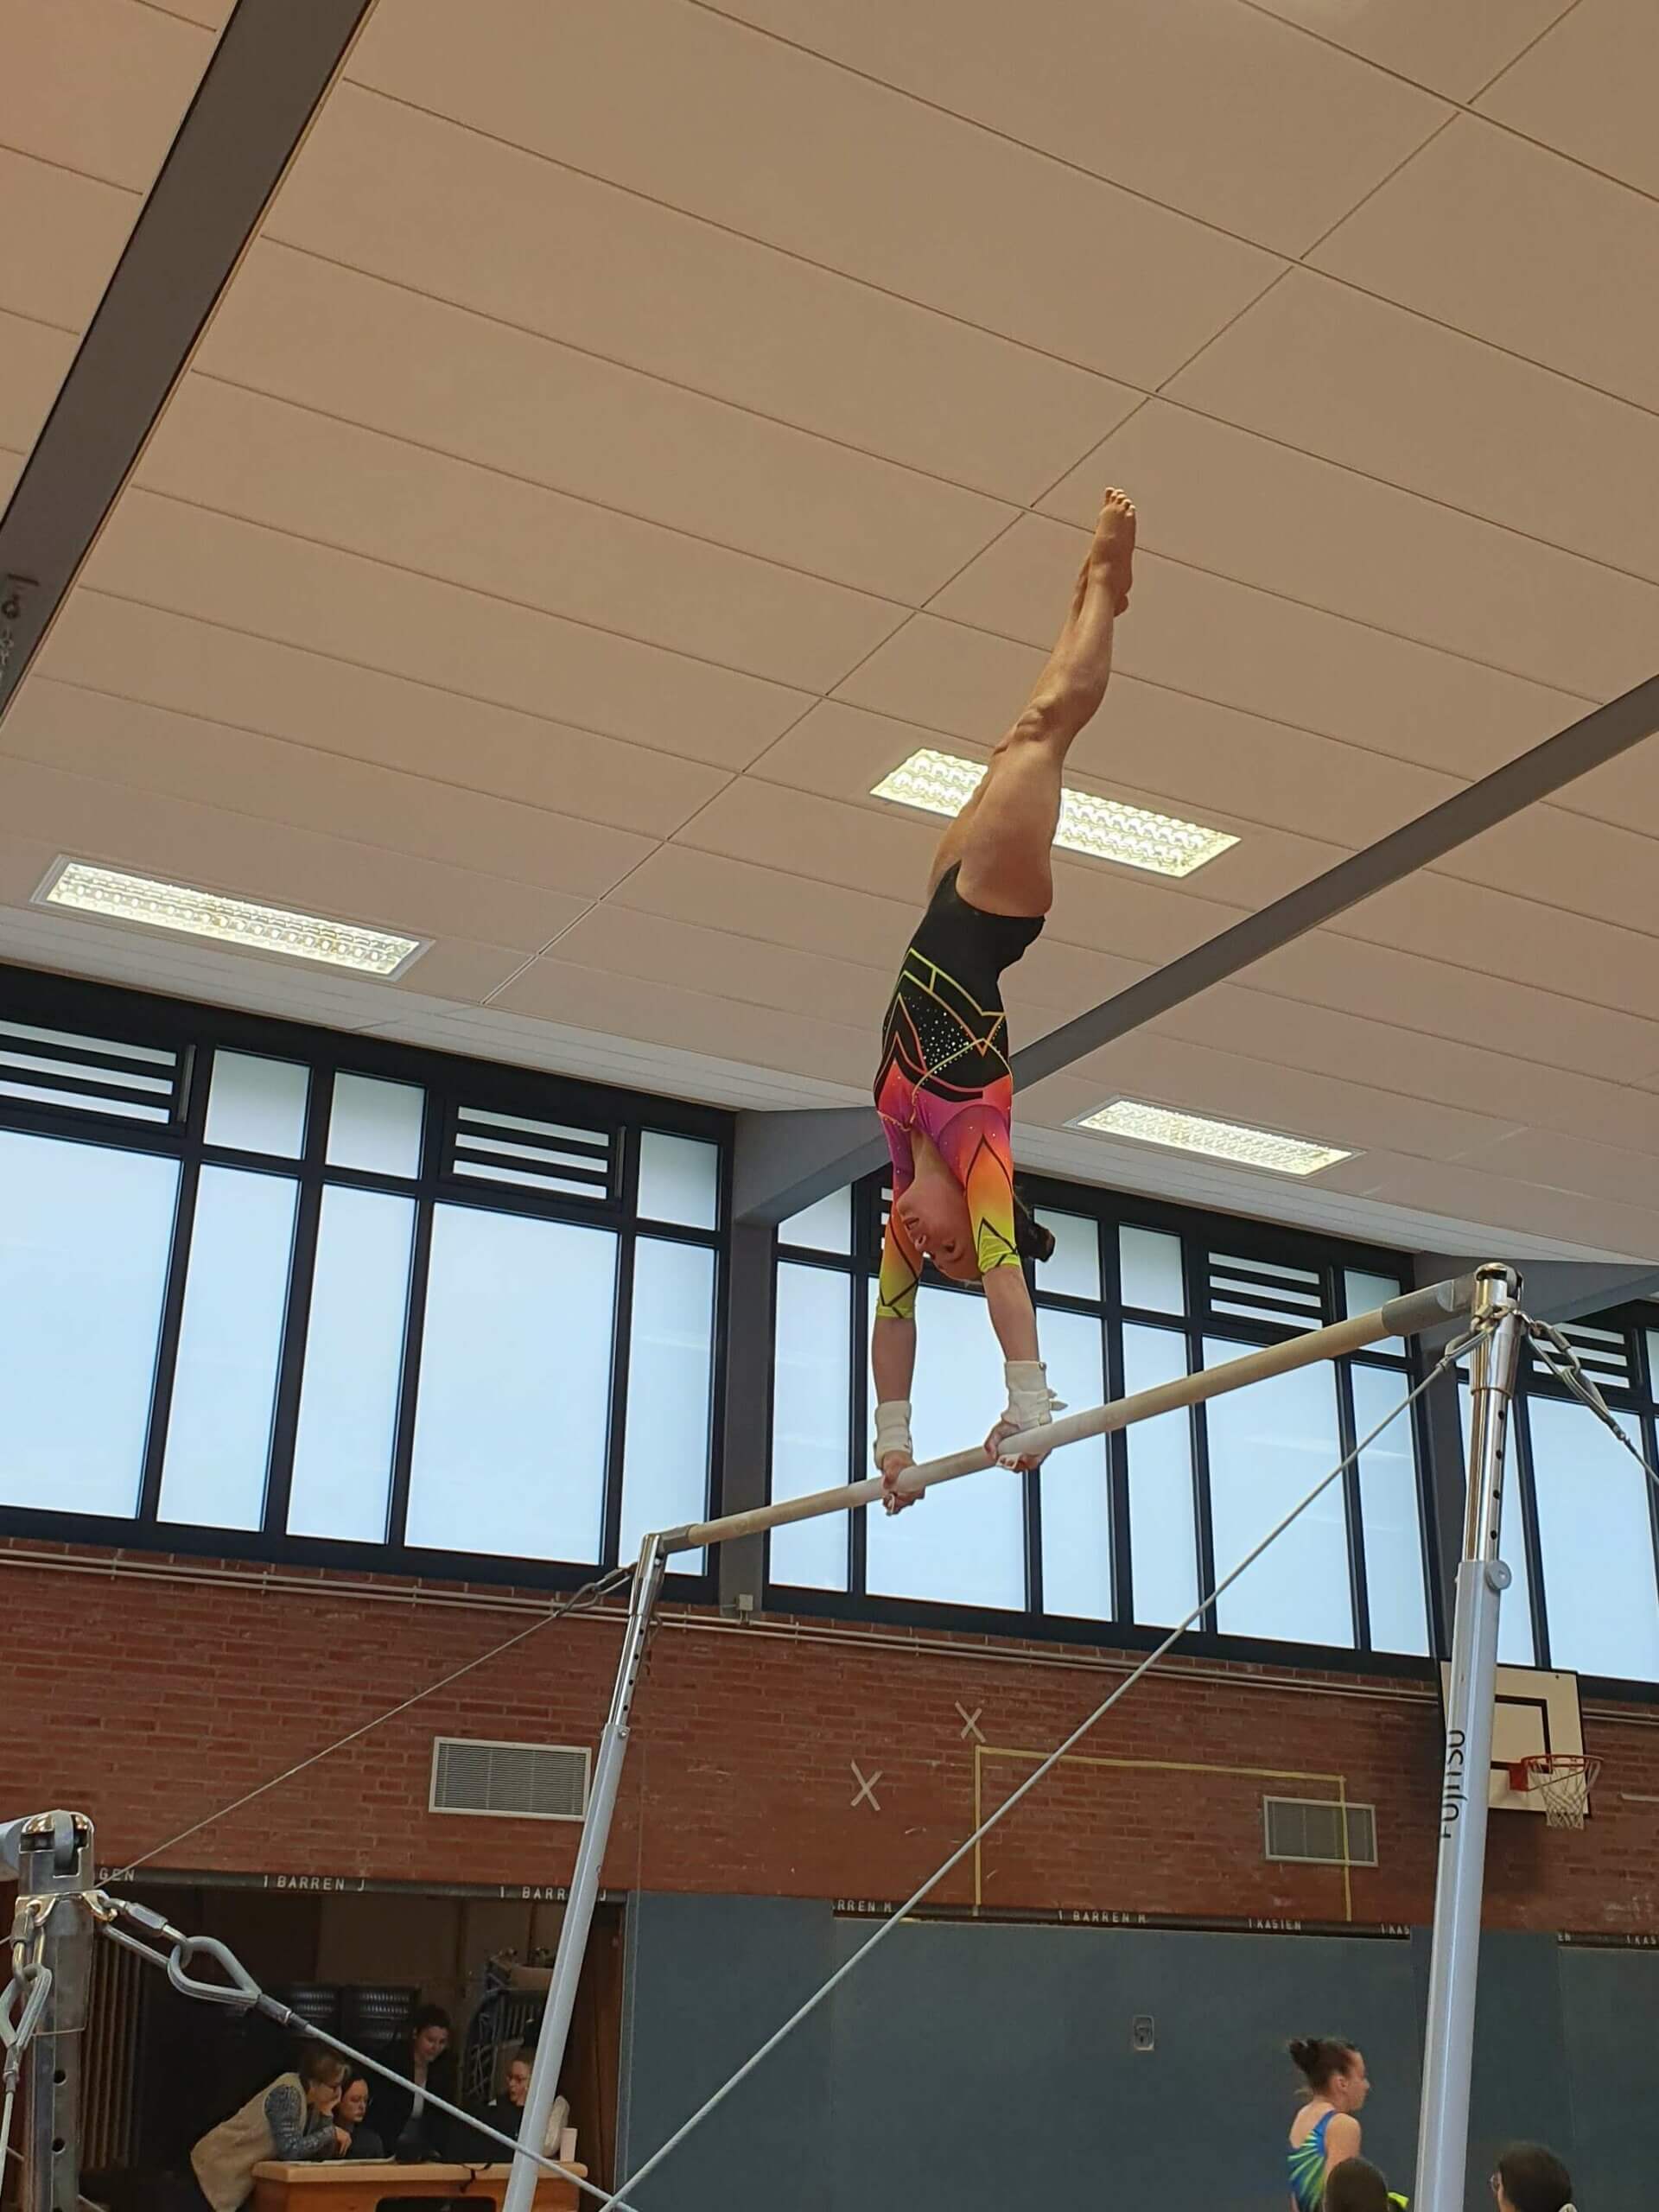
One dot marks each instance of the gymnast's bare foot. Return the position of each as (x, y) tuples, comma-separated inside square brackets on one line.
[(1114, 546)]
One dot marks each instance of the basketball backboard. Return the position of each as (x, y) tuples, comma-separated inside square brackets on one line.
[(1536, 1709)]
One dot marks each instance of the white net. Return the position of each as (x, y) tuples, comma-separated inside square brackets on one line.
[(1565, 1784)]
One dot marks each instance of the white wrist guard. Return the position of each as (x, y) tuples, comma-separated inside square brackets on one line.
[(892, 1429), (1031, 1404)]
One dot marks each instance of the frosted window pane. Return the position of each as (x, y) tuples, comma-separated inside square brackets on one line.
[(1391, 1515), (1595, 1540), (1269, 1444), (1077, 1497), (353, 1367), (376, 1126), (257, 1105), (1163, 1532), (964, 1543), (513, 1422), (84, 1236), (1074, 1271), (1151, 1267), (1365, 1291), (1516, 1646), (811, 1393), (670, 1379), (825, 1227), (679, 1179), (229, 1347)]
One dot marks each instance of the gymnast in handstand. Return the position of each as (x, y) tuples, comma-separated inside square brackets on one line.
[(944, 1089)]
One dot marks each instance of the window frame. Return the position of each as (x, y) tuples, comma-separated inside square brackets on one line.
[(1636, 1320), (1199, 1232), (449, 1081)]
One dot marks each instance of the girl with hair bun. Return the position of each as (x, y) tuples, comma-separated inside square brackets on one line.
[(1325, 2131)]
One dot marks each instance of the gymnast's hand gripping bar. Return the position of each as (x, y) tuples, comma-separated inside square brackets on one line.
[(1406, 1316)]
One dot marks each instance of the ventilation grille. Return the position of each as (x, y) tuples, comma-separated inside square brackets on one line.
[(1603, 1354), (94, 1075), (533, 1155), (1261, 1290), (530, 1782), (1310, 1830)]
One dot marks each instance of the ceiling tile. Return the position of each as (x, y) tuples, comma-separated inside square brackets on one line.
[(944, 677), (688, 108), (11, 467), (290, 469), (1466, 1003), (742, 967), (36, 355), (749, 900), (97, 85), (1574, 865), (1455, 49), (162, 553), (1292, 134), (1587, 90), (1256, 510), (491, 228), (1321, 367), (1252, 1019), (312, 871), (64, 235), (1558, 1163), (690, 1020), (115, 646), (1245, 648), (180, 756), (1464, 1191), (1512, 244), (375, 354)]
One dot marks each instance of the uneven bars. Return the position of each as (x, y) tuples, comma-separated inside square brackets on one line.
[(1405, 1316)]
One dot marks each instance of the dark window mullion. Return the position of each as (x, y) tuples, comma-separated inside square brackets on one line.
[(291, 1372), (1347, 1437), (860, 1429), (1195, 1278), (193, 1072), (1521, 1468), (621, 1352), (1117, 1444), (433, 1133)]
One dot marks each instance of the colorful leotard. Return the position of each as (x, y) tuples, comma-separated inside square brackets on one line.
[(1307, 2166), (944, 1069)]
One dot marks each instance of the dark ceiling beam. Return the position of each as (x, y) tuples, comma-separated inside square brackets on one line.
[(274, 63)]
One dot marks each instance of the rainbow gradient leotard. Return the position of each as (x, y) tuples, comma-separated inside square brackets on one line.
[(944, 1071)]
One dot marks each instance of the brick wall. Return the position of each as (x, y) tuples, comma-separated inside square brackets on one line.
[(161, 1691)]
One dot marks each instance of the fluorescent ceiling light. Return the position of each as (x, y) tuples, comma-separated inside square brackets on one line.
[(1131, 1117), (1104, 827), (119, 898)]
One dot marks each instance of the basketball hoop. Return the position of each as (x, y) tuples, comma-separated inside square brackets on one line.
[(1563, 1780)]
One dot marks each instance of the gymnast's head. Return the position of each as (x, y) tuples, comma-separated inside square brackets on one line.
[(1333, 2070), (934, 1215)]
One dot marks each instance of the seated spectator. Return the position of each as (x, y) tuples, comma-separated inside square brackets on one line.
[(507, 2112), (411, 2129), (1530, 2179), (290, 2120), (350, 2115)]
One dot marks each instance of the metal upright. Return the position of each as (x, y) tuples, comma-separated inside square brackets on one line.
[(584, 1883), (1449, 2037), (52, 1944)]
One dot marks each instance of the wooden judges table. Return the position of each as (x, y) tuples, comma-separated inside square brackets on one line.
[(359, 2184)]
